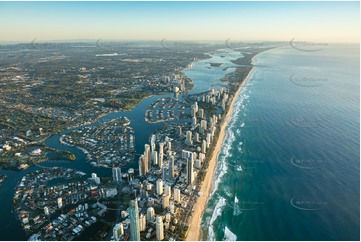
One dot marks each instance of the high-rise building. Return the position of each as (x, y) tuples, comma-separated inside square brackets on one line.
[(169, 145), (202, 156), (117, 174), (159, 228), (201, 113), (203, 126), (180, 130), (134, 221), (186, 154), (142, 223), (177, 196), (204, 146), (161, 148), (60, 202), (172, 207), (160, 161), (164, 173), (143, 166), (155, 157), (165, 201), (159, 187), (194, 121), (171, 167), (190, 175), (152, 142), (168, 190), (189, 140), (147, 156), (118, 231), (196, 137), (195, 106), (150, 214), (209, 139)]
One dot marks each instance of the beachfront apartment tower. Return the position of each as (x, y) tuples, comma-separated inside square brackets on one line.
[(171, 167), (159, 228), (190, 173), (134, 221)]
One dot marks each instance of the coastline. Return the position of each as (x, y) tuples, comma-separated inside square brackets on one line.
[(195, 231)]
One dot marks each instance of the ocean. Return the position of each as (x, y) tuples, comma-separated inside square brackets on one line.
[(290, 165)]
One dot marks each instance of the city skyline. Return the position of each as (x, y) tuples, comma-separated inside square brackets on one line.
[(194, 21)]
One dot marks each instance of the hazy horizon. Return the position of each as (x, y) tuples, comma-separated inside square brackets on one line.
[(328, 22)]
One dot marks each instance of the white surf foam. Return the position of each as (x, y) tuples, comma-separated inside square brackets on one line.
[(216, 213), (228, 235)]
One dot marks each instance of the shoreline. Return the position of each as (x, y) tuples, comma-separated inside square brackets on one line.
[(195, 231)]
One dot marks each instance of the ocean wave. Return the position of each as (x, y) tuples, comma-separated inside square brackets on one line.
[(216, 213), (228, 235), (229, 140), (239, 168)]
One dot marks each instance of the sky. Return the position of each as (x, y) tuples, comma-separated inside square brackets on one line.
[(248, 21)]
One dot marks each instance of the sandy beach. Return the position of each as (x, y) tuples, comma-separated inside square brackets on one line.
[(195, 232)]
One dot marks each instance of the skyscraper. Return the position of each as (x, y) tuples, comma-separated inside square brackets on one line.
[(143, 166), (165, 201), (159, 228), (142, 223), (147, 156), (168, 190), (171, 167), (152, 142), (134, 221), (177, 196), (204, 146), (189, 140), (159, 187), (150, 214), (190, 175), (169, 145), (160, 160), (161, 147), (117, 174), (164, 173), (203, 126), (155, 157)]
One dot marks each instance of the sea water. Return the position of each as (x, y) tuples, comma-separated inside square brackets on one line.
[(289, 168)]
